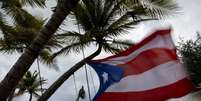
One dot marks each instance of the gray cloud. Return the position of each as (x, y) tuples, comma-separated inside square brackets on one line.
[(184, 24)]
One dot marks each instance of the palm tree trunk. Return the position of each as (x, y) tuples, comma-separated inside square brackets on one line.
[(10, 97), (30, 97), (45, 96), (31, 53)]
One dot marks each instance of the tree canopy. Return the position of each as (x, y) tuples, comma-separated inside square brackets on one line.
[(101, 21), (190, 52)]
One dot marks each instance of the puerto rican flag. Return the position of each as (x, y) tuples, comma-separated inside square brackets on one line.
[(147, 71)]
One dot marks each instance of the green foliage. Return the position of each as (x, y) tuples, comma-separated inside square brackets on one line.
[(30, 83), (14, 9), (154, 8), (21, 3), (190, 52), (33, 3), (20, 36), (116, 45), (102, 21)]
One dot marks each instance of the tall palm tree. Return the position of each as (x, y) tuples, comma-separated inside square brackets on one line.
[(13, 9), (63, 8), (20, 38), (30, 84), (101, 21)]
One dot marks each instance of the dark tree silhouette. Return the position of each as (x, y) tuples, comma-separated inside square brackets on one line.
[(190, 52)]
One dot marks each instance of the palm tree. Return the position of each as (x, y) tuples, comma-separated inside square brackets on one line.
[(23, 34), (102, 21), (18, 34), (14, 9), (29, 84), (63, 8), (23, 24), (20, 38)]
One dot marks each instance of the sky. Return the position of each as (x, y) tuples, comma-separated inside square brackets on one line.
[(185, 25)]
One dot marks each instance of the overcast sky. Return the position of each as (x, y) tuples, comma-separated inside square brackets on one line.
[(184, 26)]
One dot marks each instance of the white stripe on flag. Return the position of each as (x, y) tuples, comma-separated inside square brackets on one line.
[(161, 75), (158, 42)]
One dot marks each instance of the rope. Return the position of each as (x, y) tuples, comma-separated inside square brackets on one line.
[(76, 90), (38, 65), (86, 73), (92, 80)]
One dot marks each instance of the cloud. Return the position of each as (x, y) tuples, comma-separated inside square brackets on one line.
[(185, 25)]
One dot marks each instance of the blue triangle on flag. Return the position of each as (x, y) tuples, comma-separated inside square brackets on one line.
[(108, 74)]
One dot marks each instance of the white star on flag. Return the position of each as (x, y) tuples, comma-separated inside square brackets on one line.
[(105, 77)]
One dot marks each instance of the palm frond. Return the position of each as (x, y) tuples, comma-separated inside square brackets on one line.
[(10, 47), (154, 8), (123, 28), (53, 43), (93, 15), (101, 20), (2, 20), (83, 17), (11, 3), (22, 17), (104, 12), (69, 37), (75, 47), (74, 41), (116, 46), (121, 25), (4, 26), (109, 49), (161, 8), (112, 11), (29, 84), (21, 34), (123, 44), (45, 58), (20, 3), (33, 3)]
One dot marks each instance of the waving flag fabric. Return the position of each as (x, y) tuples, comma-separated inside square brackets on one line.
[(147, 71)]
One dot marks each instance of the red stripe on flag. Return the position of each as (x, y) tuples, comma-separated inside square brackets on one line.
[(138, 45), (148, 60), (175, 90)]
